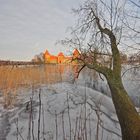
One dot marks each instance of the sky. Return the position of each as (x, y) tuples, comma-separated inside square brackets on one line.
[(29, 27)]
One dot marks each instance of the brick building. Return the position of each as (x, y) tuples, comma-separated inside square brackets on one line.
[(60, 58)]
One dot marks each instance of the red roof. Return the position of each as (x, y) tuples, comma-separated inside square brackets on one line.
[(75, 52), (60, 54), (47, 52), (52, 57)]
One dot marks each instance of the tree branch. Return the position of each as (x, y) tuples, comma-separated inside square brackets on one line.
[(115, 51)]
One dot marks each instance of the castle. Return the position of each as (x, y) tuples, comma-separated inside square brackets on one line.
[(61, 58)]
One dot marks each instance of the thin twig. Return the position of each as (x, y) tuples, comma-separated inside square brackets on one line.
[(75, 128), (43, 122), (56, 125), (18, 130), (63, 125), (32, 120), (39, 117), (69, 114)]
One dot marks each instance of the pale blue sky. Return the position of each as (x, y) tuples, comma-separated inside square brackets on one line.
[(28, 27)]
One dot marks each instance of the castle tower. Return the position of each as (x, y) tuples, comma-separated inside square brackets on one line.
[(76, 53), (61, 58), (47, 56)]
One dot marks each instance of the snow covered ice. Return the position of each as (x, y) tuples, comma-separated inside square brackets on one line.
[(69, 110), (54, 101)]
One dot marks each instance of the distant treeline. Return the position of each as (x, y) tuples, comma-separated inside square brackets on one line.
[(8, 62)]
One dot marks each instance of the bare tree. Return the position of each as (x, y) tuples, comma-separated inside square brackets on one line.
[(98, 34)]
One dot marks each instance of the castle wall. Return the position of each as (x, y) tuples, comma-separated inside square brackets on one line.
[(60, 58)]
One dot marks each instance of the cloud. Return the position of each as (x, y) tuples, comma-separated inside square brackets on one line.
[(25, 23)]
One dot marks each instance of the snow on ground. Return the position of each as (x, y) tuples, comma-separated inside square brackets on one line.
[(87, 107), (69, 110), (130, 77)]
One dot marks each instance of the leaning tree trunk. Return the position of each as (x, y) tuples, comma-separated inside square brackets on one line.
[(128, 117)]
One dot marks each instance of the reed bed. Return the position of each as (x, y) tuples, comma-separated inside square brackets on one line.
[(12, 78)]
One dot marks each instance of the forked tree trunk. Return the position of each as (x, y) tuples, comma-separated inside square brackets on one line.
[(128, 117)]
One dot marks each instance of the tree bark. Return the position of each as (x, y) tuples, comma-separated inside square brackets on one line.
[(126, 112)]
